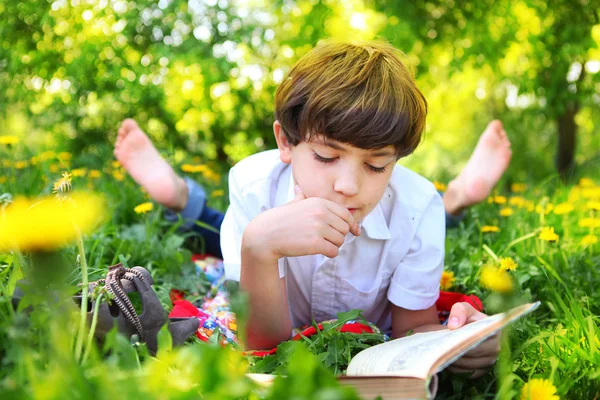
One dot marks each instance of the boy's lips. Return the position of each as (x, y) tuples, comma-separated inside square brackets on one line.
[(352, 210)]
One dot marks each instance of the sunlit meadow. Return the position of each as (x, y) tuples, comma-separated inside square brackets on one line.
[(532, 242), (199, 76)]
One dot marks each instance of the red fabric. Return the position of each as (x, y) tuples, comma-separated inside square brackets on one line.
[(444, 305), (355, 327), (185, 309), (176, 294), (196, 257), (448, 299)]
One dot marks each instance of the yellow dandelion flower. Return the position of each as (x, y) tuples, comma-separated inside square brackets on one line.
[(574, 194), (563, 208), (508, 264), (55, 168), (500, 199), (94, 174), (21, 164), (593, 205), (589, 222), (34, 160), (65, 155), (489, 228), (9, 139), (516, 201), (591, 193), (2, 179), (217, 193), (143, 208), (211, 176), (547, 234), (506, 212), (447, 280), (539, 389), (115, 164), (62, 185), (118, 175), (78, 172), (7, 163), (46, 155), (48, 223), (518, 187), (586, 182), (495, 279), (529, 205), (546, 210), (589, 240), (194, 168), (439, 186)]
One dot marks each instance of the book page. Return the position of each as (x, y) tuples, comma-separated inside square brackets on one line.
[(415, 355)]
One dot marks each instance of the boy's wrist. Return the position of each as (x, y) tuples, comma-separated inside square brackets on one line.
[(255, 244)]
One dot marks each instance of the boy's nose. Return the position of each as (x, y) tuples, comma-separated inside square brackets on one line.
[(348, 185)]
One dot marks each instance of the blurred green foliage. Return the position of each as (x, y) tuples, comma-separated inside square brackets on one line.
[(200, 75)]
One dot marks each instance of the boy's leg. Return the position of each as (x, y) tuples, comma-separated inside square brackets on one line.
[(484, 169), (141, 160)]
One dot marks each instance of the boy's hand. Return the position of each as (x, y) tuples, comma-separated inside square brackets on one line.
[(301, 227), (483, 357)]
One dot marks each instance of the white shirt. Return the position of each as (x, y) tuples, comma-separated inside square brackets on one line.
[(399, 255)]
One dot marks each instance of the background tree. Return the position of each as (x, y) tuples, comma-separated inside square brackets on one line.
[(544, 48)]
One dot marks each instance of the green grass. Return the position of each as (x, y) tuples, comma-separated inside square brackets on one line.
[(559, 342)]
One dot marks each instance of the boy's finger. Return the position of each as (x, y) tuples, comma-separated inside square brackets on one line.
[(488, 348), (344, 214), (338, 224), (471, 363), (458, 316), (327, 248), (299, 194), (474, 373), (334, 236)]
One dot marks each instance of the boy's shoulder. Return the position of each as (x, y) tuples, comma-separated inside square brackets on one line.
[(411, 189), (257, 168)]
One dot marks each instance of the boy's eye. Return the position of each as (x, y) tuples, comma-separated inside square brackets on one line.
[(379, 170), (323, 159)]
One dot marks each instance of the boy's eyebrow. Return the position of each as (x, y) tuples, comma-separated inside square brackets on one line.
[(379, 153)]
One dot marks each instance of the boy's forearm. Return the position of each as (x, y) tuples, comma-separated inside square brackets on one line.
[(269, 321)]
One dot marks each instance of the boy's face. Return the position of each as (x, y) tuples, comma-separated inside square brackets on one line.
[(352, 177)]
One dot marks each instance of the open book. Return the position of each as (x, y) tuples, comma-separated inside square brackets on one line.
[(405, 368)]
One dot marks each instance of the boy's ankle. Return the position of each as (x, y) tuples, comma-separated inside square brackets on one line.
[(451, 198), (181, 197)]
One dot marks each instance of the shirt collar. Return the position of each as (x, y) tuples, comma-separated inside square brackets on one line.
[(374, 224)]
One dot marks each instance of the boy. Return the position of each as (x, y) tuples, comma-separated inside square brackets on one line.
[(329, 222)]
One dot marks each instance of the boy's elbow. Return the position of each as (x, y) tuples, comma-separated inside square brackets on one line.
[(266, 340)]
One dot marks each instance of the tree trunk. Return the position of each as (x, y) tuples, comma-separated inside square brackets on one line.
[(567, 135)]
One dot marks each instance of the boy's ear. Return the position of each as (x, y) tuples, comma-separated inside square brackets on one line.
[(285, 148)]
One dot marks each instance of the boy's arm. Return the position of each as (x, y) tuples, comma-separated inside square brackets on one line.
[(477, 361), (301, 227), (269, 320)]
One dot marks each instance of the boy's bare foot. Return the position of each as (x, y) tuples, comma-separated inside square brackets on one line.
[(483, 170), (141, 160)]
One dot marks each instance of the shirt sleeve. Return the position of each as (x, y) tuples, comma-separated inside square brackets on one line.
[(245, 203), (416, 281), (236, 219), (193, 209)]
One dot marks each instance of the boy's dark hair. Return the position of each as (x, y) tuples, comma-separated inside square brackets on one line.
[(356, 93)]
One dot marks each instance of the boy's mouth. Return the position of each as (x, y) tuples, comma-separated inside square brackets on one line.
[(352, 210)]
